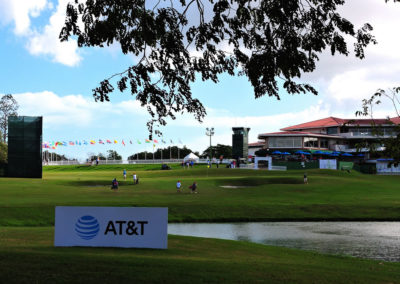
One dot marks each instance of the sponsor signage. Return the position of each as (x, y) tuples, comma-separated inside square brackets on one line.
[(139, 227)]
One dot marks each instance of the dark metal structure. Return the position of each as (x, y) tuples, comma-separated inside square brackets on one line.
[(240, 142), (25, 146)]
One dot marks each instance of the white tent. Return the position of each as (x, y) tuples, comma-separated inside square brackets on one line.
[(191, 157)]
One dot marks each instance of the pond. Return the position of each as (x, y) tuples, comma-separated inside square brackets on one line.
[(375, 240)]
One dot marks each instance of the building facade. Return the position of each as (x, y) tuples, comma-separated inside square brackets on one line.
[(331, 134)]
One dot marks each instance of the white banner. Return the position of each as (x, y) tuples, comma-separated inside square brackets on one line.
[(328, 164), (140, 227)]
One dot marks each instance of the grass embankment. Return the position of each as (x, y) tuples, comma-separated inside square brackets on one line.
[(262, 196), (31, 258), (27, 254)]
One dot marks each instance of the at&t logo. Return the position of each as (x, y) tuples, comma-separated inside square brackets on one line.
[(87, 227)]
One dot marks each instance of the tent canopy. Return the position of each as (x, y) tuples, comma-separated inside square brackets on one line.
[(191, 157)]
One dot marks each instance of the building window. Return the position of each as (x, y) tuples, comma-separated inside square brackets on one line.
[(284, 142), (332, 130), (310, 142), (324, 143)]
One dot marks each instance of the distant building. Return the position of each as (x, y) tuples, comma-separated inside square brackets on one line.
[(332, 133), (254, 147)]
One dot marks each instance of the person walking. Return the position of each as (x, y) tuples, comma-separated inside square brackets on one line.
[(124, 173), (193, 187), (134, 178), (178, 186), (305, 178), (114, 184)]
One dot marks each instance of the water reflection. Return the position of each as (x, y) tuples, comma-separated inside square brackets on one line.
[(376, 240)]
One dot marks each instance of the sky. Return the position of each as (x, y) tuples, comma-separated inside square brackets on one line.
[(54, 80)]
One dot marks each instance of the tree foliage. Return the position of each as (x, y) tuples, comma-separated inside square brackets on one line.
[(270, 42), (392, 144), (218, 151), (113, 155), (8, 107), (3, 153), (57, 157), (163, 153)]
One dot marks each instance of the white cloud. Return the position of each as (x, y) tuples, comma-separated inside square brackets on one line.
[(41, 40), (20, 12), (72, 110), (46, 42), (344, 81)]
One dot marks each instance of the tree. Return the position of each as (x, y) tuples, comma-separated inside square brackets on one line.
[(166, 152), (8, 107), (101, 157), (3, 153), (113, 155), (218, 151), (271, 42), (46, 155), (392, 144)]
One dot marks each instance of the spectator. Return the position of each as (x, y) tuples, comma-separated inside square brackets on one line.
[(193, 187), (114, 184), (178, 186)]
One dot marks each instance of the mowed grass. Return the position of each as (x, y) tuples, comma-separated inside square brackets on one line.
[(260, 196), (28, 256)]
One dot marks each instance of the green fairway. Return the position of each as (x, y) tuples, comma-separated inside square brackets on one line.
[(27, 214), (27, 255), (250, 195)]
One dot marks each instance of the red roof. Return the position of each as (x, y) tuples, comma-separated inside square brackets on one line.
[(296, 133), (395, 120), (255, 144), (335, 121)]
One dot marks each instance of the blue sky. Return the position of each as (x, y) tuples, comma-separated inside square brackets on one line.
[(55, 80)]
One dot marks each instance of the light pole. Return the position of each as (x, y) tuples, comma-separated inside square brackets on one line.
[(210, 132)]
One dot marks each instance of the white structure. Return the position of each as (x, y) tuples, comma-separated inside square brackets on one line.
[(269, 159), (383, 169), (191, 157), (328, 164)]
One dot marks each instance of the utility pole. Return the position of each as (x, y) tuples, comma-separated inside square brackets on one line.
[(210, 132)]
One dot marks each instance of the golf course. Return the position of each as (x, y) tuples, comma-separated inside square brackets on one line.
[(27, 211)]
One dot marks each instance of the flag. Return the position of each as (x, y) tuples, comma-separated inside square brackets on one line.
[(139, 142), (65, 143), (109, 141), (163, 141), (155, 141), (123, 143), (71, 143), (101, 141), (92, 142), (54, 147), (84, 142), (147, 141), (154, 145), (172, 142), (115, 142), (130, 141)]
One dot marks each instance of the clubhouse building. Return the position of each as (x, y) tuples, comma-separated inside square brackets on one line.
[(328, 135)]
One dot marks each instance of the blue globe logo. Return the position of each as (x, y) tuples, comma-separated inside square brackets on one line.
[(87, 227)]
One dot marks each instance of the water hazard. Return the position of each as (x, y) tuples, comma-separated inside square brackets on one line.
[(375, 240)]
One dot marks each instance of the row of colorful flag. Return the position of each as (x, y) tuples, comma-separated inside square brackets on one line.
[(53, 145)]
